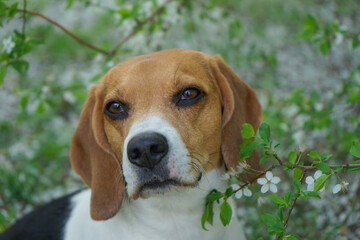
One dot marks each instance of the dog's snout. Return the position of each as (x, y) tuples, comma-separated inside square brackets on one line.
[(147, 149)]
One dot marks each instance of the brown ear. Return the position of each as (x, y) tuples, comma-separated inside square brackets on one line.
[(240, 105), (92, 158)]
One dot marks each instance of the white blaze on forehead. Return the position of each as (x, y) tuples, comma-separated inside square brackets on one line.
[(178, 155)]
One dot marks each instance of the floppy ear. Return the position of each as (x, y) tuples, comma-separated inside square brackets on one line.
[(240, 105), (92, 158)]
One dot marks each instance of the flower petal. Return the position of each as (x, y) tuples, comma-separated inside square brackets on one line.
[(309, 180), (261, 181), (238, 194), (273, 188), (275, 180), (247, 192), (310, 187), (318, 174), (268, 175), (264, 188), (336, 188), (234, 187)]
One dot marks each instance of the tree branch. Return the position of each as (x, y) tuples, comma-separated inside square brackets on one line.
[(79, 40), (139, 25), (83, 42), (292, 206), (24, 19)]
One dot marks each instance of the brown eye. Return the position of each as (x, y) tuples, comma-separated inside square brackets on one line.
[(188, 96), (116, 110)]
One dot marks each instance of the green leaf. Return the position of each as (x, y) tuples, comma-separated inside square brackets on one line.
[(248, 131), (309, 29), (312, 194), (323, 167), (297, 185), (287, 197), (356, 41), (69, 4), (208, 215), (213, 196), (326, 157), (2, 74), (280, 214), (337, 168), (357, 169), (263, 159), (225, 213), (12, 10), (292, 157), (268, 219), (246, 150), (292, 237), (264, 132), (297, 173), (355, 149), (278, 200), (24, 101), (319, 183), (289, 165), (315, 155), (205, 217), (20, 65), (325, 47), (355, 162), (41, 107), (229, 192)]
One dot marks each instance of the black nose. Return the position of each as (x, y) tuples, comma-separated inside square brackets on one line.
[(147, 149)]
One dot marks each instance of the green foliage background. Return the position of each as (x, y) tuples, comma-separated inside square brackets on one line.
[(302, 57)]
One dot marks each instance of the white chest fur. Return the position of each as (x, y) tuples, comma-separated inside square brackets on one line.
[(175, 216)]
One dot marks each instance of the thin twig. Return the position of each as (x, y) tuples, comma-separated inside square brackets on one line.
[(292, 206), (24, 19), (347, 165), (139, 25), (83, 42), (79, 40)]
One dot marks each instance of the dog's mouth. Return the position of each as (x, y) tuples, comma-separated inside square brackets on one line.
[(155, 184), (160, 186)]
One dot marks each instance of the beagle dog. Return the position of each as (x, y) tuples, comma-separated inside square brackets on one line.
[(154, 138)]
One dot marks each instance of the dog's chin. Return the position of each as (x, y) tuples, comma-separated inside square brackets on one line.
[(158, 187)]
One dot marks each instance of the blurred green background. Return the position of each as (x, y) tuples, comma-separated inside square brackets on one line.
[(302, 57)]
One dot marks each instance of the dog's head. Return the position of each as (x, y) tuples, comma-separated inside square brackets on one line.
[(158, 122)]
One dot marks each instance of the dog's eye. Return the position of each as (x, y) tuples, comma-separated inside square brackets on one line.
[(188, 96), (116, 110)]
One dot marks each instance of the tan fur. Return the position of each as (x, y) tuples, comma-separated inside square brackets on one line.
[(210, 129)]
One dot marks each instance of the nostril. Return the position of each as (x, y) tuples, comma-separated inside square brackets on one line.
[(157, 148), (134, 154)]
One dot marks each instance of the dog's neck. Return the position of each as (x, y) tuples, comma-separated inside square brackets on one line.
[(159, 217)]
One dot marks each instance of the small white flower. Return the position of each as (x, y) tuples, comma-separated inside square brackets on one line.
[(242, 166), (338, 187), (310, 181), (268, 182), (239, 193), (318, 106), (339, 38), (110, 64), (69, 97), (261, 201), (8, 45), (226, 176)]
